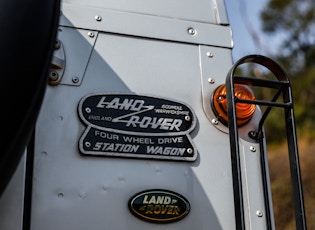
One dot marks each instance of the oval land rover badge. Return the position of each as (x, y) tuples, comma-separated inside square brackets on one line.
[(159, 206)]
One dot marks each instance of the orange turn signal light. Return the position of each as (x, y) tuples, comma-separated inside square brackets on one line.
[(244, 111)]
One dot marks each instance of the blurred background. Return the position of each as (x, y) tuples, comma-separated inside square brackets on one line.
[(283, 30)]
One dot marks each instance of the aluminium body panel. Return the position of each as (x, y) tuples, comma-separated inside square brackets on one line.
[(12, 200), (177, 53), (143, 25), (206, 11), (72, 190)]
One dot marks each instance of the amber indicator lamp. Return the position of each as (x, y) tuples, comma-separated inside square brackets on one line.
[(244, 111)]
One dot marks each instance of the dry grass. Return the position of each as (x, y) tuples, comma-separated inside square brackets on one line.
[(281, 184)]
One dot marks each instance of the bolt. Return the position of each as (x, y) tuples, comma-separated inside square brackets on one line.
[(53, 75)]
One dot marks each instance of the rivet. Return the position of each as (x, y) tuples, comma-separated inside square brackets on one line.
[(252, 148), (211, 80), (189, 151), (187, 118), (210, 55), (91, 34), (82, 195), (191, 31), (87, 144), (57, 44), (87, 109), (98, 18), (259, 213), (60, 195), (253, 134), (75, 80), (214, 121), (121, 178), (104, 187)]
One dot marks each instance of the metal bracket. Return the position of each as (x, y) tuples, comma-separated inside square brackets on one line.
[(58, 64)]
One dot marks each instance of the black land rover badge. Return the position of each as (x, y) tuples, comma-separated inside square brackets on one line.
[(159, 206), (138, 126)]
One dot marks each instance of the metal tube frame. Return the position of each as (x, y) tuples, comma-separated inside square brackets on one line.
[(283, 86)]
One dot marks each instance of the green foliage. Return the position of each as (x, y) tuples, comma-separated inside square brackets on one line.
[(296, 20)]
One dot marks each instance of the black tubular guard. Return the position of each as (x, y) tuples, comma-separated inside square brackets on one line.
[(283, 86), (28, 35)]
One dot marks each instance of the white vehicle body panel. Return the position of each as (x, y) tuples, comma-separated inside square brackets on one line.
[(161, 49)]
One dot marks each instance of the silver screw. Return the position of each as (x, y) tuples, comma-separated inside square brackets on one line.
[(252, 148)]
